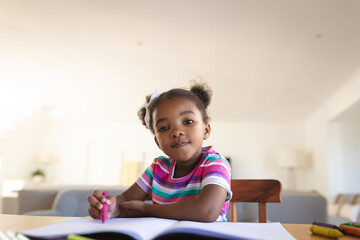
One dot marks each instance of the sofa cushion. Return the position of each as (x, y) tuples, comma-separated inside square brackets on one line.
[(36, 199), (73, 202), (334, 209), (350, 212)]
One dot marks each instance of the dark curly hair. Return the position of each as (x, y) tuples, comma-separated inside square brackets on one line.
[(199, 93)]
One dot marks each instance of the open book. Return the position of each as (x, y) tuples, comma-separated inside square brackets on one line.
[(159, 229)]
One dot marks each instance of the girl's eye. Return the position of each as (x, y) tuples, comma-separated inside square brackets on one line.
[(163, 129), (187, 122)]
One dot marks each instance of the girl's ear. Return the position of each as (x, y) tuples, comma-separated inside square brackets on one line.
[(207, 131), (157, 143)]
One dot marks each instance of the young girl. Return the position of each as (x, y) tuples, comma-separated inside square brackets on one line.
[(192, 183)]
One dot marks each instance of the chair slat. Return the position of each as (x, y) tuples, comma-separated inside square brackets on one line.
[(254, 190)]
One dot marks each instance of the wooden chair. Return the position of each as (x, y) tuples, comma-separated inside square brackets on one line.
[(257, 190)]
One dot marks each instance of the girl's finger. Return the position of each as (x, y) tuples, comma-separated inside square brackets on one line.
[(94, 202), (94, 212), (99, 195), (111, 199)]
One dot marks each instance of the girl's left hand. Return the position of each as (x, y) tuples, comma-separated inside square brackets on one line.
[(133, 208)]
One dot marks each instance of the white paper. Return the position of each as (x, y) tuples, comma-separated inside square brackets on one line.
[(138, 228), (233, 230), (150, 228)]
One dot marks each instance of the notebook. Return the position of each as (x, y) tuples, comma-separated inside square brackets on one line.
[(158, 229)]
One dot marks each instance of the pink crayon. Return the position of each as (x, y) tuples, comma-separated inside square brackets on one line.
[(104, 210)]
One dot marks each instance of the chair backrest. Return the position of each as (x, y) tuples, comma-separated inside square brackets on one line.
[(254, 190)]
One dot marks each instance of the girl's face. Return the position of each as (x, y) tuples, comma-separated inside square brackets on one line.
[(180, 130)]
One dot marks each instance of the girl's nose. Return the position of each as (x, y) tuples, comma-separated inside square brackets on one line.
[(177, 132)]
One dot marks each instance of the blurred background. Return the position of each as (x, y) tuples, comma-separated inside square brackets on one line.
[(285, 77)]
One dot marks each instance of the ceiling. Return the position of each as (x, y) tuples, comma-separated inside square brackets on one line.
[(265, 60)]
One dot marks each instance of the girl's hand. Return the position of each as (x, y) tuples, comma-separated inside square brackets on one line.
[(134, 208), (96, 201)]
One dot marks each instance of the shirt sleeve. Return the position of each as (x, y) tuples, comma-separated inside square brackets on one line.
[(218, 171), (145, 180)]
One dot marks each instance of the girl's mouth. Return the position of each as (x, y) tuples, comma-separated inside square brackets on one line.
[(179, 144)]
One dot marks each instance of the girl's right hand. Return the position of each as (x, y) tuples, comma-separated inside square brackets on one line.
[(96, 201)]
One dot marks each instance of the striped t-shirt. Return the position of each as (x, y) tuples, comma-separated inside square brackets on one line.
[(159, 183)]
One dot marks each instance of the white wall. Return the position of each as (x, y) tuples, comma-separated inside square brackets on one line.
[(316, 143), (351, 156), (78, 145), (344, 152), (19, 148), (251, 146), (333, 143)]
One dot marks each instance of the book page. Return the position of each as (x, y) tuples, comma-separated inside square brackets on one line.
[(138, 228), (231, 230), (152, 228)]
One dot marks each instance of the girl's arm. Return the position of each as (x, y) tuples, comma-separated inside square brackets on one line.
[(134, 192), (205, 208)]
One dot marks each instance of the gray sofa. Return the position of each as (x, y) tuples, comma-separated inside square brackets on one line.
[(296, 207), (345, 208), (67, 201)]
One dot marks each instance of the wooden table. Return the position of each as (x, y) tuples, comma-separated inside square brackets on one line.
[(19, 223), (302, 232)]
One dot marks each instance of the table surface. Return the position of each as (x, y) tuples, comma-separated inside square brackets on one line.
[(19, 223)]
